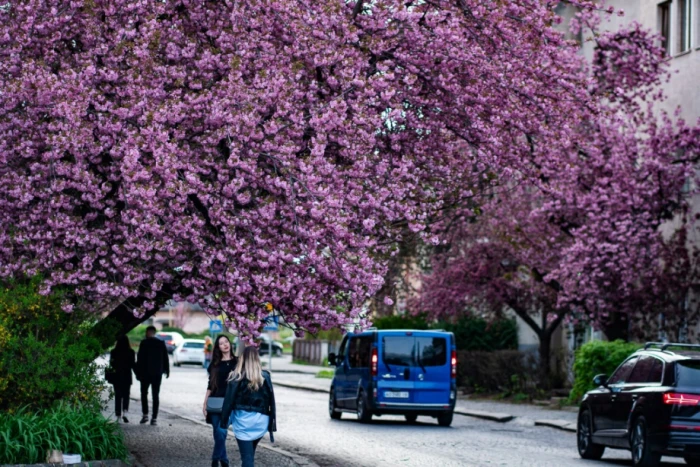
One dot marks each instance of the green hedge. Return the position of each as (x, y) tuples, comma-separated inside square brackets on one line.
[(26, 435), (471, 333), (46, 355), (597, 357)]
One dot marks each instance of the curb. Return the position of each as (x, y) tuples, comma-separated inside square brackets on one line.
[(558, 424), (297, 459), (493, 416), (301, 386)]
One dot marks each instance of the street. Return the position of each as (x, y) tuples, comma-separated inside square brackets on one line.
[(305, 429)]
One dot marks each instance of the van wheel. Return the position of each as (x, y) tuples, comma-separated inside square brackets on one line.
[(411, 418), (364, 415), (642, 455), (584, 438), (445, 419), (332, 406)]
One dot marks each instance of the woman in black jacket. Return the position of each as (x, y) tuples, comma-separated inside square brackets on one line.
[(250, 404), (122, 360), (222, 364)]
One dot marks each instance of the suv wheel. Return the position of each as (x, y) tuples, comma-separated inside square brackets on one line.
[(584, 438), (332, 406), (445, 419), (642, 456), (364, 415)]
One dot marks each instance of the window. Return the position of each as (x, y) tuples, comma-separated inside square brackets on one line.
[(656, 373), (194, 345), (665, 26), (623, 371), (432, 351), (398, 351), (688, 373), (359, 351), (647, 370), (683, 25)]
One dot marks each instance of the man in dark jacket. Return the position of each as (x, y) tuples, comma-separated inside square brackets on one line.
[(151, 364)]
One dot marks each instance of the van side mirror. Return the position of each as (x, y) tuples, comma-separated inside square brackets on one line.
[(331, 359), (600, 380)]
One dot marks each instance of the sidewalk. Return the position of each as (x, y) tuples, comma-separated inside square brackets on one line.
[(288, 374), (178, 442)]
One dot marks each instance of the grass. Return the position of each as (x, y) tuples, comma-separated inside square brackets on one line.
[(325, 374), (26, 436)]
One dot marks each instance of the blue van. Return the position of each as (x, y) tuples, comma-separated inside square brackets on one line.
[(400, 372)]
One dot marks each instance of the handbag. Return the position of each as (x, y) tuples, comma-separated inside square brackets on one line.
[(215, 404)]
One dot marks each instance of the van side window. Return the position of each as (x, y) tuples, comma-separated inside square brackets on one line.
[(343, 349), (359, 352)]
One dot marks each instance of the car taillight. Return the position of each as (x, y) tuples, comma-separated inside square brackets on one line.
[(453, 362), (170, 342), (677, 398), (375, 360)]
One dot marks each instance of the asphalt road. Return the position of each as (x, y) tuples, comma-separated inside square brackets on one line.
[(305, 428)]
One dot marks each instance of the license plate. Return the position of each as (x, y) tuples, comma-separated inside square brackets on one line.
[(396, 394)]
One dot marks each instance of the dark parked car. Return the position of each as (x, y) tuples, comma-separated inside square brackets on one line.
[(264, 349), (650, 405)]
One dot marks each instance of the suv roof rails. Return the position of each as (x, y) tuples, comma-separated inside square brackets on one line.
[(666, 345)]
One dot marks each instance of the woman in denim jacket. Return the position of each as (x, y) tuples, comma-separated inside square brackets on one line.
[(250, 402)]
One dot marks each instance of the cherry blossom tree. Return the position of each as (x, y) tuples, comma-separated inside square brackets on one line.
[(235, 154), (585, 243)]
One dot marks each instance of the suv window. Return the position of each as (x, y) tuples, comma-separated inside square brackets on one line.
[(398, 350), (647, 370), (432, 351), (623, 371), (359, 351), (688, 373)]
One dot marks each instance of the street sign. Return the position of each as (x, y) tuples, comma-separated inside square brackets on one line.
[(215, 326), (271, 323)]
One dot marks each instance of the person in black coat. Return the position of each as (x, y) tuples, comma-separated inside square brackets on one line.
[(122, 360), (222, 364), (151, 365)]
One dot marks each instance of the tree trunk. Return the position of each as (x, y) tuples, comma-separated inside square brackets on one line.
[(545, 354), (121, 319)]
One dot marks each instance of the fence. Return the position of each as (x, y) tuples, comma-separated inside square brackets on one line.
[(314, 352)]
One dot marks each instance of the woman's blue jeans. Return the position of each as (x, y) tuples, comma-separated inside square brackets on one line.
[(247, 451), (219, 453)]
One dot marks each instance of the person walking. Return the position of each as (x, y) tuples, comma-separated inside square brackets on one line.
[(250, 402), (208, 350), (223, 363), (152, 363), (122, 361)]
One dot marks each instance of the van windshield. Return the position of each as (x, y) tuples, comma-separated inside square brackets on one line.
[(414, 351)]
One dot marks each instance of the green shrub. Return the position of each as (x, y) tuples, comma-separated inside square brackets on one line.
[(471, 333), (504, 371), (26, 435), (401, 322), (46, 355), (594, 358)]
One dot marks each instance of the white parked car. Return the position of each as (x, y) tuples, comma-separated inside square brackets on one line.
[(189, 351)]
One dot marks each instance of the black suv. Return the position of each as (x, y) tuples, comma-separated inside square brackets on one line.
[(649, 405)]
